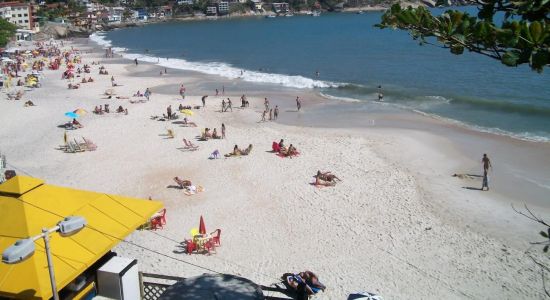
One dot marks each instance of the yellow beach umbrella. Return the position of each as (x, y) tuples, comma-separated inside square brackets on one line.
[(194, 232), (187, 112), (80, 111)]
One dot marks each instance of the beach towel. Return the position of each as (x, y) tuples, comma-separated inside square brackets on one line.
[(192, 190)]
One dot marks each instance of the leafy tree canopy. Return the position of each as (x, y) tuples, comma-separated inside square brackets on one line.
[(522, 37), (7, 30)]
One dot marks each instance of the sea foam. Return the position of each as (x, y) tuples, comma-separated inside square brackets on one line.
[(218, 68)]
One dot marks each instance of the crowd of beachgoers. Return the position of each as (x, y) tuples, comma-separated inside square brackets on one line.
[(287, 198)]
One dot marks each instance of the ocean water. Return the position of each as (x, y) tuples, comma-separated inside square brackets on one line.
[(352, 58)]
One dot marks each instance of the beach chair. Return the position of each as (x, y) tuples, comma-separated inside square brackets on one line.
[(89, 145), (189, 145), (159, 220), (216, 237), (78, 146)]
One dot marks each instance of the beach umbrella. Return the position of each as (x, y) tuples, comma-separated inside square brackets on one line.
[(187, 112), (202, 227), (71, 114), (80, 111)]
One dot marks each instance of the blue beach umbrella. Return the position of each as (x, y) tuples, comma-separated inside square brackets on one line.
[(72, 115)]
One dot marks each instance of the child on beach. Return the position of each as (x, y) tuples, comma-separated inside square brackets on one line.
[(263, 115)]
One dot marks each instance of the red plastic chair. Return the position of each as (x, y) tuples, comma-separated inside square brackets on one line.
[(209, 245), (275, 147), (216, 237), (190, 246), (159, 220)]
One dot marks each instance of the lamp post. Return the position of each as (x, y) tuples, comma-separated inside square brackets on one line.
[(23, 249)]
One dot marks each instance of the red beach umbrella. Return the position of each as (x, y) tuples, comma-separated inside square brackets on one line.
[(202, 227)]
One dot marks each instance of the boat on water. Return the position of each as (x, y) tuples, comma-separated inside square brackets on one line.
[(270, 16), (316, 13), (360, 12), (289, 15)]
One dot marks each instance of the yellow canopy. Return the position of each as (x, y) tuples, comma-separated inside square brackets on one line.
[(27, 205)]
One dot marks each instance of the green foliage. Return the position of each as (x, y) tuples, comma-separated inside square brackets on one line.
[(523, 37), (7, 31), (238, 8)]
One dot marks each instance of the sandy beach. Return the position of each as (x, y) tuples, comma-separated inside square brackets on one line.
[(398, 224)]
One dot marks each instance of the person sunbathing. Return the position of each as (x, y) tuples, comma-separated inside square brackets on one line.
[(326, 178), (186, 122), (182, 183), (305, 283), (84, 80), (77, 124), (98, 110), (207, 134), (122, 97), (29, 103), (247, 150), (291, 151), (282, 148), (120, 109), (236, 152), (215, 134), (90, 79)]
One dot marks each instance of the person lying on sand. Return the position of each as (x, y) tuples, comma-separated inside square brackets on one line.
[(186, 122), (182, 183), (236, 152), (122, 97), (247, 150), (305, 282), (29, 103), (326, 178)]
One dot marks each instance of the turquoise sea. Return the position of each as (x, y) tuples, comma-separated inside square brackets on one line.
[(352, 58)]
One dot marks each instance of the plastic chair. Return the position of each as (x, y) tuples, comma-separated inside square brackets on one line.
[(158, 221), (190, 246), (216, 237)]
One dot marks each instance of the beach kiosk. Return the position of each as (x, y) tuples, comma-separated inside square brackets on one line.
[(28, 205)]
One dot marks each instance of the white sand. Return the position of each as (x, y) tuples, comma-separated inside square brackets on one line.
[(397, 225)]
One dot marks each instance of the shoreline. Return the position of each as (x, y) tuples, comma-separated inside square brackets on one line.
[(398, 224)]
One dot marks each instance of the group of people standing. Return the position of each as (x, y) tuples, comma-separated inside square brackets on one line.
[(273, 112)]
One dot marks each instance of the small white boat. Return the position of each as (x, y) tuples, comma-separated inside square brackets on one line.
[(270, 16), (316, 13), (289, 15), (360, 12)]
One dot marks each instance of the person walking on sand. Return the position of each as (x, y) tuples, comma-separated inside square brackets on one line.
[(271, 114), (486, 163), (298, 103), (276, 112), (266, 103), (182, 92), (229, 105), (203, 99), (223, 105), (223, 131), (223, 90), (217, 92), (112, 80), (485, 181), (263, 115), (147, 93)]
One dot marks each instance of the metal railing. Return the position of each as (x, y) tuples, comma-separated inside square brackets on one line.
[(153, 285)]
